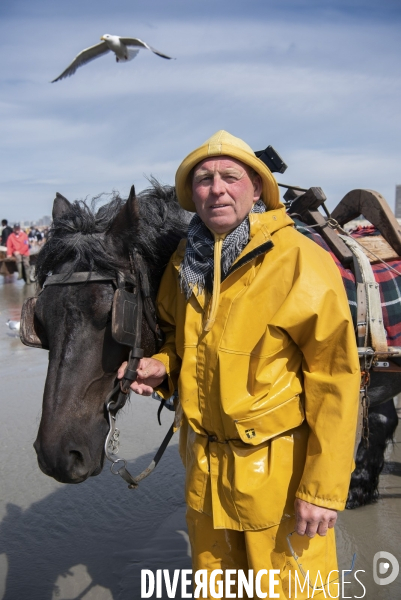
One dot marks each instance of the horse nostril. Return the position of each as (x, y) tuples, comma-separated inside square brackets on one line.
[(67, 463), (76, 456), (77, 466)]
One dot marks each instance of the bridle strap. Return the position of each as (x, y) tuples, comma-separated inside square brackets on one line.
[(148, 306), (119, 465), (78, 277)]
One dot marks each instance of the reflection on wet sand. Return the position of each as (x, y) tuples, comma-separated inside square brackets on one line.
[(90, 541)]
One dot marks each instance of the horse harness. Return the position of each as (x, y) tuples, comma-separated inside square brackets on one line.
[(369, 327), (128, 308)]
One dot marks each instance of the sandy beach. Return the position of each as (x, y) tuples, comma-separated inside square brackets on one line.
[(90, 541)]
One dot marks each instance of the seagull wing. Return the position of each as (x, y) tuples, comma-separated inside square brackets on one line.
[(82, 58), (137, 42)]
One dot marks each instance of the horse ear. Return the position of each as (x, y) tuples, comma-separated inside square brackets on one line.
[(132, 199), (127, 217), (60, 206)]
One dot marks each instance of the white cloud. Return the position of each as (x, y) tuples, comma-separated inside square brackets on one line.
[(324, 92)]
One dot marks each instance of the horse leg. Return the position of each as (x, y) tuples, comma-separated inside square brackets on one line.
[(383, 421)]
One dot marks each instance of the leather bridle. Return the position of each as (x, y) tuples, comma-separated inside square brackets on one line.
[(132, 301)]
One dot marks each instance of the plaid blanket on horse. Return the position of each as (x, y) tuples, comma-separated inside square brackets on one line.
[(389, 282)]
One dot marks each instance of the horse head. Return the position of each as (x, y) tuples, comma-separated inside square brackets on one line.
[(75, 319)]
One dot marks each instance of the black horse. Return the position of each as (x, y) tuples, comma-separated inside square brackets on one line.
[(83, 357), (75, 319)]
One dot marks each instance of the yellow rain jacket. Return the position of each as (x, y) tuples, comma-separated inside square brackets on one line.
[(270, 394)]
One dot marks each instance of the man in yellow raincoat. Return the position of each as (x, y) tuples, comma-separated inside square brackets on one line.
[(261, 346)]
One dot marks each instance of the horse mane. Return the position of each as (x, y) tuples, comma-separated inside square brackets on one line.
[(79, 237), (162, 224)]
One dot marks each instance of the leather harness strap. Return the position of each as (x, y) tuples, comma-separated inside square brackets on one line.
[(373, 302), (79, 277), (387, 366), (362, 313), (369, 324)]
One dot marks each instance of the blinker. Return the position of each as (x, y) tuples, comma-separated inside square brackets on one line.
[(126, 322), (127, 318), (32, 332)]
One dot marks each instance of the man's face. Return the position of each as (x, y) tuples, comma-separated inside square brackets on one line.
[(223, 192)]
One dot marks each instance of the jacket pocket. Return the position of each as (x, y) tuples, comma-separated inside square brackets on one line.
[(258, 429)]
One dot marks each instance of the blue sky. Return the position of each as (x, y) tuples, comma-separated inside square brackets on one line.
[(319, 80)]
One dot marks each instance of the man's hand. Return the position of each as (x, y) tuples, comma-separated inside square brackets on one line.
[(151, 373), (312, 519)]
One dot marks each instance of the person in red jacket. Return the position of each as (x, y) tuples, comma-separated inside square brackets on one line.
[(18, 246)]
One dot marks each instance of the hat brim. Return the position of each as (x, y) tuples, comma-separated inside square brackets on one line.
[(183, 179)]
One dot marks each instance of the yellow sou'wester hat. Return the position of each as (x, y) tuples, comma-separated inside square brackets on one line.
[(223, 143)]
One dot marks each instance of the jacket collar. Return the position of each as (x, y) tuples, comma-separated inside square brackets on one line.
[(262, 227)]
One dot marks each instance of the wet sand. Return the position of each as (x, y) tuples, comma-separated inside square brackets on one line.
[(90, 541)]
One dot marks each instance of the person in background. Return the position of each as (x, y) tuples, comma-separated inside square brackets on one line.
[(35, 240), (18, 246), (6, 230), (34, 235)]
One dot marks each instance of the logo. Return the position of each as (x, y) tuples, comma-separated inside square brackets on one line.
[(250, 433), (381, 566)]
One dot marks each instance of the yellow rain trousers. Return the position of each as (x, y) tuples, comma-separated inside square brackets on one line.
[(265, 550), (269, 395)]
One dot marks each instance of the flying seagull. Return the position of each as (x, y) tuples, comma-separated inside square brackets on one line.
[(121, 46)]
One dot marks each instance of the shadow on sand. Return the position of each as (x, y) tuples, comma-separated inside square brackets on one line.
[(97, 533)]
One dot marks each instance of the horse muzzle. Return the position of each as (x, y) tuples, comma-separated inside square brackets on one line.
[(67, 464)]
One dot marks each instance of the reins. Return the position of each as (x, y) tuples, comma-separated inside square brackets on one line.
[(127, 306)]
